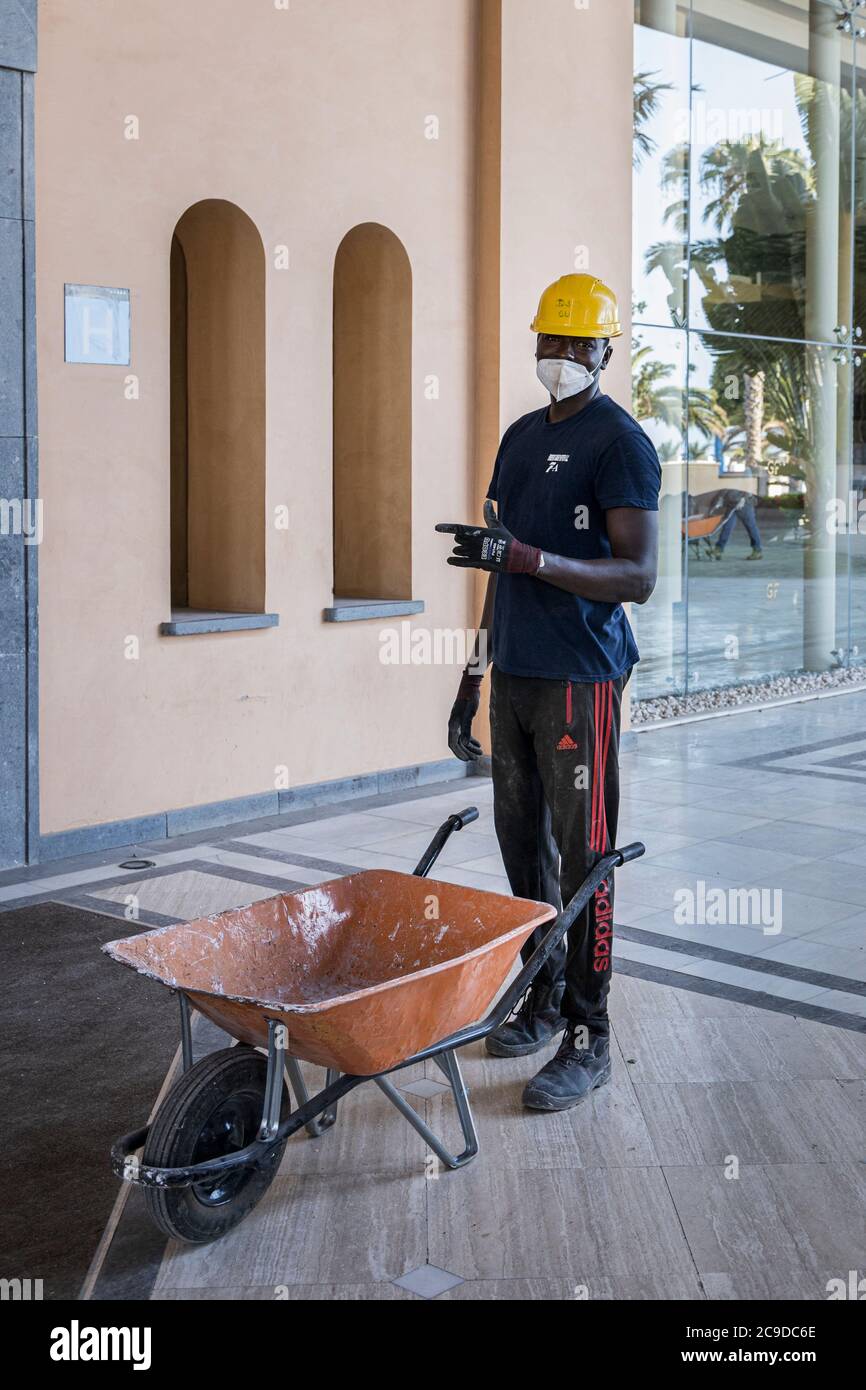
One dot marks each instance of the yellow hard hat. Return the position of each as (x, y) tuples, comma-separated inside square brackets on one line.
[(578, 306)]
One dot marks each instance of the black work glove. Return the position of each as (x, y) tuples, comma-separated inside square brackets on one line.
[(490, 547), (465, 708)]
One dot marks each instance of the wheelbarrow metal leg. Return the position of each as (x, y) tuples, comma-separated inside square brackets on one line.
[(438, 1058), (452, 1071), (185, 1032), (297, 1085), (273, 1084), (461, 1100)]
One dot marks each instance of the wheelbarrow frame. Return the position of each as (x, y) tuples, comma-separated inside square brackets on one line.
[(317, 1113), (700, 531)]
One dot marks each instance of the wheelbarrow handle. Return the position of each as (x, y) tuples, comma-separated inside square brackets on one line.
[(456, 822), (629, 852)]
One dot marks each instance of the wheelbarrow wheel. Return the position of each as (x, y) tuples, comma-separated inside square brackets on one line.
[(214, 1109)]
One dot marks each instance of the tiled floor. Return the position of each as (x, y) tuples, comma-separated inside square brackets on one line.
[(725, 1159)]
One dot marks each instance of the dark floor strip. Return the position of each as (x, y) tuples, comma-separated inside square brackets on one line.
[(108, 908), (639, 970), (303, 861), (761, 964), (231, 871)]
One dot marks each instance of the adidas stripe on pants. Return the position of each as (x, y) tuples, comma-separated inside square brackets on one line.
[(555, 760)]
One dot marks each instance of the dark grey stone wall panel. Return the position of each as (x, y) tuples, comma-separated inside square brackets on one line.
[(13, 760), (11, 143), (30, 423), (28, 172), (11, 327), (19, 486), (14, 646), (18, 34), (13, 626), (31, 617)]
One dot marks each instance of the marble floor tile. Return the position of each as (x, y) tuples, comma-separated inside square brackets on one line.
[(370, 1135), (761, 1046), (504, 1222), (711, 859), (830, 881), (844, 1051), (466, 844), (287, 1293), (188, 894), (758, 1121), (798, 838), (772, 1217), (675, 1287), (345, 1228)]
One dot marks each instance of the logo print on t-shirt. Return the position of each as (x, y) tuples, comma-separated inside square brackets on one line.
[(554, 460)]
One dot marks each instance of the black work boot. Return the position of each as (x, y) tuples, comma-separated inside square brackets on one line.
[(569, 1077), (536, 1023)]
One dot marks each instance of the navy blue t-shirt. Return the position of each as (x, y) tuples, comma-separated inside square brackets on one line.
[(553, 484)]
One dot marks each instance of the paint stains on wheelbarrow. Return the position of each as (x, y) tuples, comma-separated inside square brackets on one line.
[(363, 971)]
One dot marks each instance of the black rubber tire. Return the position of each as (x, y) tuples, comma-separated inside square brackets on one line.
[(231, 1081)]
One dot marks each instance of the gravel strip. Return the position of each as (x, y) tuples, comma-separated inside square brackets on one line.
[(754, 694)]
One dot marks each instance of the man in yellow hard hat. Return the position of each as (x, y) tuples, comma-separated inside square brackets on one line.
[(570, 535)]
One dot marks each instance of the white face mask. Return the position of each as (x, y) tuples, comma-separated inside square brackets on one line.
[(563, 378)]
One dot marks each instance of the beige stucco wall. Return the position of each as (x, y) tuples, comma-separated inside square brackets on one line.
[(567, 77), (566, 171), (312, 121)]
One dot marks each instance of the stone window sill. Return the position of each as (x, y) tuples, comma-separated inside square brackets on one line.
[(189, 622), (357, 610)]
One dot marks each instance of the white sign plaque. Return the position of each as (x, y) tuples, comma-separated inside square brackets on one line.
[(97, 325)]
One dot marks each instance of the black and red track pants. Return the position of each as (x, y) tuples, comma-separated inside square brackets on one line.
[(555, 748)]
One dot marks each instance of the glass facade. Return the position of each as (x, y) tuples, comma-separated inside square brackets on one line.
[(749, 323)]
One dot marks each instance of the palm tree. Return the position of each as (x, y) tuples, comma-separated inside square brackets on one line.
[(737, 170), (754, 384), (656, 397), (647, 100)]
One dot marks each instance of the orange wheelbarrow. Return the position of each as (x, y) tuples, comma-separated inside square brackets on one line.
[(700, 530), (364, 975)]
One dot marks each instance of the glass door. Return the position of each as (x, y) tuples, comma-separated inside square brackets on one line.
[(755, 251), (853, 514)]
